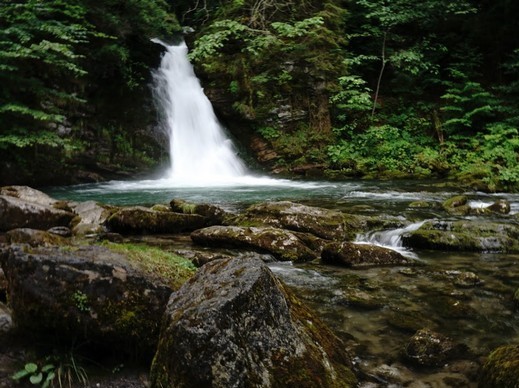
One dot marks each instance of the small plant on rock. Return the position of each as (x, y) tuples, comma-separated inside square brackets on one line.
[(37, 376)]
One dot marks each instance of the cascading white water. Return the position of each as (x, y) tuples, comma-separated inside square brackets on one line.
[(200, 152), (390, 238)]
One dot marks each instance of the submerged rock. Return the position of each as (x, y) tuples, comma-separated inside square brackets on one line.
[(361, 255), (501, 369), (282, 244), (323, 223), (89, 293), (235, 325), (466, 235), (138, 219), (428, 348), (19, 213), (501, 206), (34, 237)]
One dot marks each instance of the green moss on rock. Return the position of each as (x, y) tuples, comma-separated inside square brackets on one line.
[(501, 369)]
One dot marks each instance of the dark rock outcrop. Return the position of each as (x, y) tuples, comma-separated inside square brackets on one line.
[(282, 244), (33, 237), (467, 235), (88, 293), (323, 223), (428, 348), (501, 369), (235, 325), (138, 219), (361, 255), (19, 213)]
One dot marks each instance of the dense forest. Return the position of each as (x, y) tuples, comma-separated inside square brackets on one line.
[(338, 88)]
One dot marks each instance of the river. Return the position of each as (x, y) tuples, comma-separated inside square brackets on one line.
[(377, 310)]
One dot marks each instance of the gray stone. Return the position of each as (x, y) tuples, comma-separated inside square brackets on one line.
[(428, 348), (282, 244), (361, 255), (92, 217), (34, 237), (235, 325)]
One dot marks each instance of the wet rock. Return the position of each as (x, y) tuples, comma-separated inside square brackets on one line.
[(161, 208), (34, 237), (61, 231), (457, 205), (452, 307), (323, 223), (420, 204), (214, 215), (199, 258), (92, 217), (85, 294), (235, 325), (501, 369), (465, 279), (282, 244), (19, 213), (361, 255), (362, 299), (409, 322), (428, 348), (112, 237), (501, 206), (466, 235), (6, 321), (28, 194), (138, 220)]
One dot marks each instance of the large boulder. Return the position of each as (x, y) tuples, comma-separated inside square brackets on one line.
[(19, 213), (457, 205), (501, 369), (138, 220), (282, 244), (91, 217), (235, 325), (28, 194), (323, 223), (87, 293), (466, 235), (361, 255)]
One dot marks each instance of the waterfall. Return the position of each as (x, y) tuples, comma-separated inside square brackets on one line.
[(200, 152)]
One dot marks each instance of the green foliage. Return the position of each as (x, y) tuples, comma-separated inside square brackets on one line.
[(43, 376)]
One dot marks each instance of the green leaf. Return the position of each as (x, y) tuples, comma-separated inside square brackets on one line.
[(31, 367), (20, 374), (47, 368), (36, 379)]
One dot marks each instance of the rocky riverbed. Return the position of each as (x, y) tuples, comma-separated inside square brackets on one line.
[(279, 294)]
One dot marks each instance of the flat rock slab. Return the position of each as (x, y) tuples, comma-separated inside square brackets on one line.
[(361, 255), (282, 244), (235, 325)]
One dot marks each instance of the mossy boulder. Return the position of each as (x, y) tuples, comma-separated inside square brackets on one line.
[(501, 369), (214, 215), (428, 348), (34, 237), (142, 220), (457, 205), (86, 293), (235, 325), (282, 244), (466, 235), (20, 213), (361, 255), (323, 223), (501, 206)]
